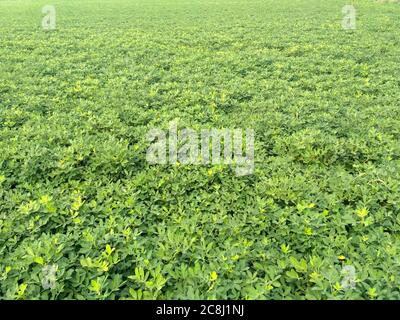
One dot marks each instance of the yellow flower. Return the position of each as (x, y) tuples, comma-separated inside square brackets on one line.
[(45, 199), (235, 257), (342, 258), (308, 231), (362, 213), (213, 276)]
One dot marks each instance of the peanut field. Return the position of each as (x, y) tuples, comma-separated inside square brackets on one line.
[(84, 215)]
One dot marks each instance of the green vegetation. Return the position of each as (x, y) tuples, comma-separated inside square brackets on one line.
[(80, 205)]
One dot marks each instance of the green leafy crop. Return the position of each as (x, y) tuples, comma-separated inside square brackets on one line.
[(83, 215)]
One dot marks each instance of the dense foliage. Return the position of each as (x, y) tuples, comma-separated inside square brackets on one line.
[(76, 192)]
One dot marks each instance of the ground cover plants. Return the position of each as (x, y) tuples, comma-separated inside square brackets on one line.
[(83, 215)]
